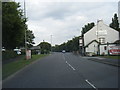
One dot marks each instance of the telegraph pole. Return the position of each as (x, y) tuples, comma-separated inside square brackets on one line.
[(51, 43), (25, 29)]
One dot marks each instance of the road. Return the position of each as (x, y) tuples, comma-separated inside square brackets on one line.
[(65, 70)]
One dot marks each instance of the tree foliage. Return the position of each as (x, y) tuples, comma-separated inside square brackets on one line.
[(71, 45), (30, 38), (14, 26), (45, 47), (115, 23), (87, 27)]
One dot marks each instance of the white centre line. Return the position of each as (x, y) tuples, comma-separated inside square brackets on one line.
[(63, 57), (91, 84), (70, 65), (66, 62)]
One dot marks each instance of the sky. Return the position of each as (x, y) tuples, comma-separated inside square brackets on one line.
[(65, 19)]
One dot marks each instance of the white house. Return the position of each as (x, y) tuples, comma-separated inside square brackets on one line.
[(97, 39)]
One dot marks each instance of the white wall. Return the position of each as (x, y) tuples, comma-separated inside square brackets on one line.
[(90, 36), (91, 47), (101, 30), (102, 50), (111, 36)]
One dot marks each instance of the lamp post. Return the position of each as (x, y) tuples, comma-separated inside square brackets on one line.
[(51, 43), (25, 29)]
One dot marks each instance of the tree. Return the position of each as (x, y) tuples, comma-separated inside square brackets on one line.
[(115, 23), (87, 27), (45, 47), (30, 36), (69, 46), (13, 25)]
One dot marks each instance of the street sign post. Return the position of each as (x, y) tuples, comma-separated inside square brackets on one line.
[(28, 54)]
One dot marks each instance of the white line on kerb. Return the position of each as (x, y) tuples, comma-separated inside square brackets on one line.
[(91, 84)]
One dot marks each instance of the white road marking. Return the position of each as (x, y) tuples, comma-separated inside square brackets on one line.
[(91, 84), (70, 65), (63, 57), (66, 62)]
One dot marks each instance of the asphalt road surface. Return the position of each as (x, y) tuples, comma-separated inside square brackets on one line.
[(65, 70)]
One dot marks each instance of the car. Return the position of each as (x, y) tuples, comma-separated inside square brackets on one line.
[(3, 49), (63, 51), (18, 51)]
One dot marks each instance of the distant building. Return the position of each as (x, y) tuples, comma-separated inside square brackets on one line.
[(36, 49), (97, 39)]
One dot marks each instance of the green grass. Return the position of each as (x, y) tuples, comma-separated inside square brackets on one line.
[(10, 68), (112, 57)]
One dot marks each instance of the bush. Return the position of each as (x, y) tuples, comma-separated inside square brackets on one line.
[(8, 54)]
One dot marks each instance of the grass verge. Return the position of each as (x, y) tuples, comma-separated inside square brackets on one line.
[(12, 67)]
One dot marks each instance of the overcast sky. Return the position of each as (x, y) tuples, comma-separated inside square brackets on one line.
[(64, 20)]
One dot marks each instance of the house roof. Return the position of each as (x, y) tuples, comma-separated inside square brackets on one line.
[(91, 42)]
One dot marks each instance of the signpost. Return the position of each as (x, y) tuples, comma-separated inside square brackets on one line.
[(28, 54)]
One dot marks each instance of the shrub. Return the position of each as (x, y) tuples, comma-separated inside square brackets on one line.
[(8, 54)]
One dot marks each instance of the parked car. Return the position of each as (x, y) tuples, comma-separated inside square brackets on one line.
[(63, 51), (18, 51), (90, 54), (3, 49)]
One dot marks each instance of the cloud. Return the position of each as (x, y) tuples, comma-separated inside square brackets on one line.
[(64, 20)]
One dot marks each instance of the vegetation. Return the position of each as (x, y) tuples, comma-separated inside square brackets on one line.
[(30, 38), (45, 47), (8, 54), (13, 67), (87, 27), (115, 23), (14, 26), (71, 45)]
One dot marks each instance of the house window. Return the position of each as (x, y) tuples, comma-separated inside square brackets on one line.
[(105, 48), (102, 40)]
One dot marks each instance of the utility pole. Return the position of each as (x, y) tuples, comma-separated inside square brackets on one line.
[(25, 29), (51, 43)]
